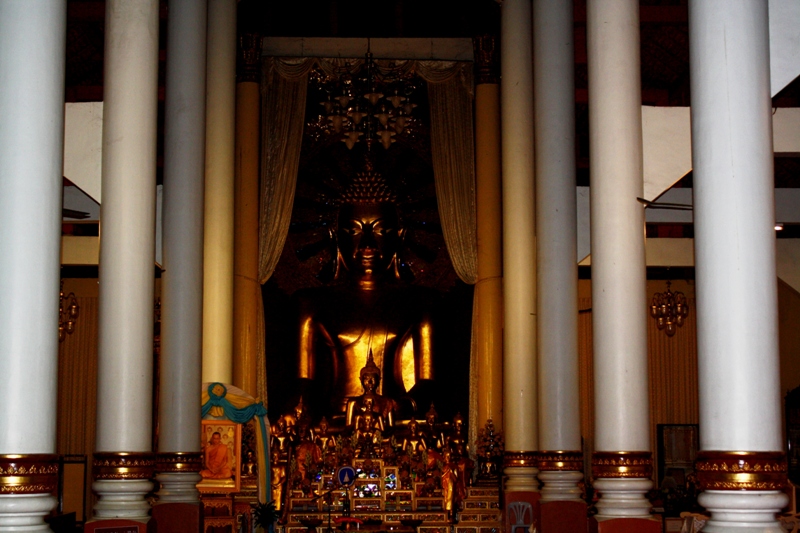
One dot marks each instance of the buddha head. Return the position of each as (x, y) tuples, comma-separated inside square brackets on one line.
[(368, 229), (458, 424), (370, 375), (431, 416)]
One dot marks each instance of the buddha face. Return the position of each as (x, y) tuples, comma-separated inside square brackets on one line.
[(368, 238), (370, 382)]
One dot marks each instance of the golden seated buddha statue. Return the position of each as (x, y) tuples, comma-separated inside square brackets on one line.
[(373, 315)]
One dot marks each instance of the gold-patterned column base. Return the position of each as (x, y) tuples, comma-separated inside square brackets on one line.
[(559, 461), (28, 474), (123, 465), (741, 470), (179, 462), (520, 459), (622, 465)]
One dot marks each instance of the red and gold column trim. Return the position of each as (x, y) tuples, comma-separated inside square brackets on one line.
[(559, 461), (179, 462), (123, 465), (741, 470), (28, 474), (520, 459), (622, 465)]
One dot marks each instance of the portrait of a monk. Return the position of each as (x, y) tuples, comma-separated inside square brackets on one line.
[(217, 464)]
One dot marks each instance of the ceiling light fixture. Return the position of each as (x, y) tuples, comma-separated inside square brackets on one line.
[(669, 309), (370, 103), (68, 311)]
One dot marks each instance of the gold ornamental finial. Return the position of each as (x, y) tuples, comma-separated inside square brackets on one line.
[(368, 187), (487, 59), (249, 58)]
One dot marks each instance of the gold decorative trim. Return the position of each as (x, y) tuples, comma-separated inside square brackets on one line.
[(28, 473), (123, 465), (519, 459), (717, 470), (179, 462), (562, 461), (487, 59), (622, 465), (249, 58)]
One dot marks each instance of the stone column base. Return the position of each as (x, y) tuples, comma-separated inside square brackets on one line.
[(122, 480), (26, 484), (178, 476), (521, 492), (25, 512), (560, 471), (561, 516), (743, 512), (742, 490), (623, 479)]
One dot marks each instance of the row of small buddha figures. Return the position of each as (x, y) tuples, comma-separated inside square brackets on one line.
[(430, 457), (430, 452)]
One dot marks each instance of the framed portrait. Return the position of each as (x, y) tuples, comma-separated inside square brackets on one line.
[(221, 446)]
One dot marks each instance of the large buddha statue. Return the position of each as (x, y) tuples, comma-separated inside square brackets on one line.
[(370, 309)]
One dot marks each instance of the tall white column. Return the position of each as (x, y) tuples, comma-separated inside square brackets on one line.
[(737, 313), (31, 148), (519, 246), (618, 263), (124, 460), (182, 280), (556, 226), (219, 166)]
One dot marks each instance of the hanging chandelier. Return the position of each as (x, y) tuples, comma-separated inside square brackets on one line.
[(669, 309), (68, 310), (366, 103)]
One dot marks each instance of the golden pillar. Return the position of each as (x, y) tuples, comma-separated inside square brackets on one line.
[(219, 171), (246, 288), (488, 326)]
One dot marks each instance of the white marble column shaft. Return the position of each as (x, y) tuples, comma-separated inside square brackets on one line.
[(219, 167), (556, 227), (182, 279), (127, 248), (519, 237), (618, 262), (31, 154), (737, 312)]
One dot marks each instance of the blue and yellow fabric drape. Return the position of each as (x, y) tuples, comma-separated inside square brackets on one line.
[(219, 402)]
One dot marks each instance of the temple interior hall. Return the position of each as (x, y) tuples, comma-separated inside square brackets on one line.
[(456, 266)]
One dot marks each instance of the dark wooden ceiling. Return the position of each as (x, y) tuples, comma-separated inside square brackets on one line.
[(664, 46)]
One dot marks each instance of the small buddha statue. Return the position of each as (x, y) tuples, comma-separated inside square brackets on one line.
[(457, 440), (249, 466), (373, 311), (324, 438), (277, 479), (415, 442), (432, 432), (367, 435), (450, 483), (380, 408)]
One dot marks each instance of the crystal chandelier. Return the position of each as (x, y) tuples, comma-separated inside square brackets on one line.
[(68, 310), (366, 103), (669, 309)]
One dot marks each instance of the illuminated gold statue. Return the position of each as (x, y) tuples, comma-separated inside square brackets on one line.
[(374, 312), (379, 408)]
